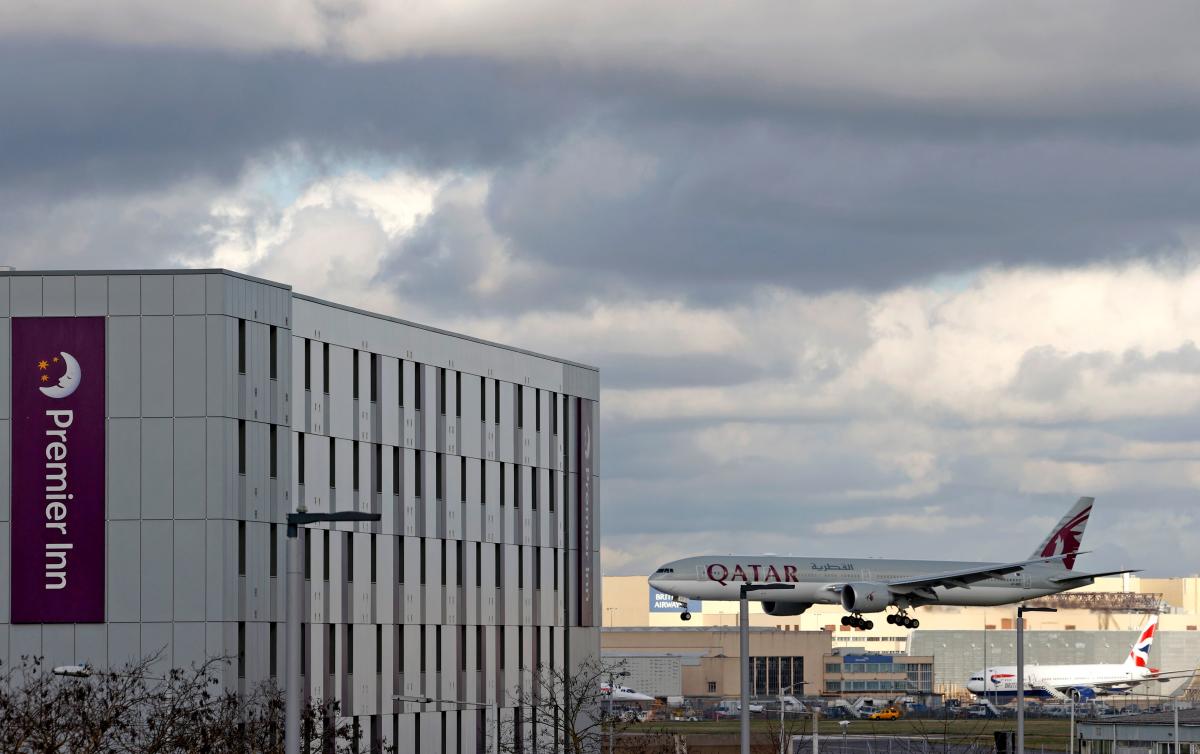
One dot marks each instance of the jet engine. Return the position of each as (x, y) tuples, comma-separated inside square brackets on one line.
[(785, 608), (865, 597)]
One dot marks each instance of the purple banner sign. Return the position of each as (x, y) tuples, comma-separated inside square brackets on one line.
[(58, 470), (585, 520)]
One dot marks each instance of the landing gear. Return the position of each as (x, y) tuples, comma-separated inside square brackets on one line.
[(902, 619), (856, 621), (685, 615)]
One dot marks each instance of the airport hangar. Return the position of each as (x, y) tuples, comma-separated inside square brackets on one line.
[(1096, 624), (209, 404)]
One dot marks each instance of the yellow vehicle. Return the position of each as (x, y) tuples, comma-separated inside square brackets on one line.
[(885, 714)]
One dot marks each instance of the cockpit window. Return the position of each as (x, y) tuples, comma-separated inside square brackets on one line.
[(976, 678), (664, 570)]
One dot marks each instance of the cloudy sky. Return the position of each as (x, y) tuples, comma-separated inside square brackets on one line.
[(867, 278)]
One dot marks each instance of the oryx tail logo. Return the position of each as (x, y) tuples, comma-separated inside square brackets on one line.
[(1067, 539), (68, 382)]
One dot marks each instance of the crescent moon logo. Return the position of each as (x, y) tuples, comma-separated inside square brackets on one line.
[(587, 444), (68, 383)]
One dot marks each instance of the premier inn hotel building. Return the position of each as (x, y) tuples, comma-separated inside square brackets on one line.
[(160, 425)]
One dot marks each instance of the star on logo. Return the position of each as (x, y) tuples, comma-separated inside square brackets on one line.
[(45, 378), (55, 359), (43, 364)]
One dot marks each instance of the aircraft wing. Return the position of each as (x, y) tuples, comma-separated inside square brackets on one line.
[(964, 578)]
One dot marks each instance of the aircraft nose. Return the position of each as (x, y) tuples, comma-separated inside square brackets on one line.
[(975, 687)]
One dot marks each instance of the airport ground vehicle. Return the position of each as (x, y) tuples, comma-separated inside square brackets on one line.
[(891, 713)]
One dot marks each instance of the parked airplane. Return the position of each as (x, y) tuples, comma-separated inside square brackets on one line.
[(871, 585), (1065, 682), (623, 693)]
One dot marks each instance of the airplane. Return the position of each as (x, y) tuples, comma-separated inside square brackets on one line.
[(872, 585), (623, 694), (1066, 682)]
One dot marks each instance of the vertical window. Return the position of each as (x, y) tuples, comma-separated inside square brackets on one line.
[(553, 492), (325, 553), (354, 465), (274, 554), (520, 406), (303, 649), (419, 457), (241, 346), (400, 388), (496, 402), (374, 569), (307, 555), (462, 479), (378, 648), (520, 567), (417, 398), (424, 648), (374, 378), (400, 648), (458, 394), (349, 557), (502, 491), (379, 469), (460, 564), (241, 545), (439, 478), (443, 563), (499, 566), (555, 559), (332, 464), (482, 482), (307, 364), (241, 649), (441, 387), (300, 458), (533, 488), (395, 471), (437, 658), (537, 567), (273, 648), (500, 646), (274, 357), (478, 564), (482, 399), (422, 561), (462, 647), (518, 484), (325, 365), (354, 374), (329, 656), (537, 409), (241, 449), (479, 647), (554, 413), (274, 461)]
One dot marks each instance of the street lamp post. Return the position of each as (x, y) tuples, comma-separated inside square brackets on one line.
[(491, 707), (612, 691), (1021, 610), (295, 601), (744, 651)]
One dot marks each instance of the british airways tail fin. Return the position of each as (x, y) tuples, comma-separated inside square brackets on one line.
[(1067, 535), (1139, 653)]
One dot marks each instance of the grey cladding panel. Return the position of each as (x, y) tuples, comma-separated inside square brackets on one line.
[(26, 296), (189, 570), (157, 362), (124, 543), (157, 561), (5, 310), (5, 471), (157, 436), (91, 295), (124, 469), (157, 294), (190, 479), (189, 294), (58, 296), (124, 350), (124, 294), (189, 387)]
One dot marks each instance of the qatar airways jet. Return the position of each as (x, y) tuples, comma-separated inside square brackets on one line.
[(872, 585), (1067, 682)]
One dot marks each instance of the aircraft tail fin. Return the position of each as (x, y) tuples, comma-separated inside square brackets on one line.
[(1067, 536), (1139, 653)]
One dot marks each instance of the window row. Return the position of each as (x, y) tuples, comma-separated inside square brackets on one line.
[(446, 550)]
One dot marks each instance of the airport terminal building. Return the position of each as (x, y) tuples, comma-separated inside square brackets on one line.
[(158, 427)]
